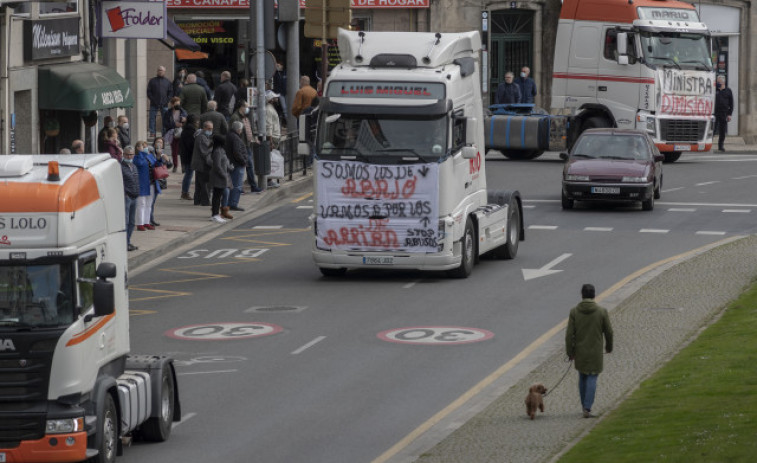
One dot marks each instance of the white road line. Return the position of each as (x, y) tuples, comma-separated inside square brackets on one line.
[(410, 285), (653, 230), (205, 372), (672, 189), (304, 207), (542, 227), (744, 177), (267, 227), (707, 183), (705, 232), (667, 203), (184, 419), (529, 206), (309, 345), (602, 229), (682, 209), (737, 211)]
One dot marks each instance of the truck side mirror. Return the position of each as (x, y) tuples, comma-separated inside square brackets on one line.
[(104, 297), (469, 152), (622, 45), (470, 129), (106, 270)]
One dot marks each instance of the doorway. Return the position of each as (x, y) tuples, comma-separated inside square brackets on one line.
[(511, 45)]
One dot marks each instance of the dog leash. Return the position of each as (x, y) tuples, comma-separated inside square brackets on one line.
[(549, 391)]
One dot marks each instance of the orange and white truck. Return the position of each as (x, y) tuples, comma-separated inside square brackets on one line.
[(637, 64), (69, 390)]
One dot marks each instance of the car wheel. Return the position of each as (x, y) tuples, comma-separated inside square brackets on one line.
[(567, 203), (648, 205), (672, 156), (658, 190)]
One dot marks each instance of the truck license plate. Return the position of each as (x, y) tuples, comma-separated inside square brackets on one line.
[(378, 260), (681, 147), (607, 190)]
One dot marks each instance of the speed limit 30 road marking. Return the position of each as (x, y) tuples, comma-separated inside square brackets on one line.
[(223, 331), (435, 335)]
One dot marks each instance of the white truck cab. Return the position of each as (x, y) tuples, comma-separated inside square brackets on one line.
[(400, 178)]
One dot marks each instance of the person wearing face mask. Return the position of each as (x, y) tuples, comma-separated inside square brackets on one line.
[(173, 123), (201, 163), (102, 136), (242, 114), (723, 110), (148, 187), (124, 133), (527, 85), (508, 92), (131, 192)]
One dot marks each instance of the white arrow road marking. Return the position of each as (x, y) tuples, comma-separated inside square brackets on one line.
[(530, 274)]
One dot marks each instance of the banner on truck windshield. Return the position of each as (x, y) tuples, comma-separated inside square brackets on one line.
[(686, 93), (368, 207)]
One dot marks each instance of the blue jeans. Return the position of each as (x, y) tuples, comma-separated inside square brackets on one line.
[(186, 182), (587, 388), (152, 208), (153, 113), (225, 198), (131, 209), (251, 171), (237, 181)]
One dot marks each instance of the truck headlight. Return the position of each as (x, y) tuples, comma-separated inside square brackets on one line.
[(577, 178), (651, 125), (64, 426), (633, 179)]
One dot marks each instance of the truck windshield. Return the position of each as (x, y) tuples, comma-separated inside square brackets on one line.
[(36, 296), (382, 139), (676, 49)]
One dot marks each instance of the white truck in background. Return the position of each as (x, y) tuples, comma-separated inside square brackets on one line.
[(400, 179), (69, 390), (630, 64)]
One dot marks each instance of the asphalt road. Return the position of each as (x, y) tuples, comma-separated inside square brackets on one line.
[(278, 364)]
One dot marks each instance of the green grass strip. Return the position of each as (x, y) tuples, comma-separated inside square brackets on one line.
[(700, 407)]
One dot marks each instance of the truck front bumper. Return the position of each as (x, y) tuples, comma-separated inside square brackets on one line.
[(52, 447), (387, 260)]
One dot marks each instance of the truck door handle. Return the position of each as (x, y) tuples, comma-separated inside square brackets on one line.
[(602, 88)]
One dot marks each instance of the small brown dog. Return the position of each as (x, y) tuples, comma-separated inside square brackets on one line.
[(534, 399)]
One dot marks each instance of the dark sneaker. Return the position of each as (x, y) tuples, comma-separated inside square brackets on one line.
[(236, 208), (588, 414), (132, 247)]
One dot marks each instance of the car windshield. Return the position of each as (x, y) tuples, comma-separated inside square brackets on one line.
[(36, 296), (676, 49), (609, 146), (382, 138)]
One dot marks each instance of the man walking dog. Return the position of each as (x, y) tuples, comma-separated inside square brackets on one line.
[(588, 324)]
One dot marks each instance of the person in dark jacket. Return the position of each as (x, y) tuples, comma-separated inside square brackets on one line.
[(186, 148), (173, 122), (508, 91), (527, 85), (131, 193), (193, 98), (241, 114), (219, 180), (723, 110), (102, 136), (225, 92), (220, 126), (178, 81), (311, 118), (280, 87), (159, 92), (201, 163), (237, 154), (124, 132), (588, 329), (112, 146), (204, 84)]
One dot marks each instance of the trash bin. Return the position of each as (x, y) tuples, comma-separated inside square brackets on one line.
[(261, 157)]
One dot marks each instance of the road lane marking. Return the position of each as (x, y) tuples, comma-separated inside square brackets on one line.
[(737, 211), (303, 197), (529, 206), (411, 284), (672, 189), (653, 230), (309, 345), (501, 371), (707, 183), (304, 207), (184, 419), (542, 227), (267, 227), (205, 372), (599, 229), (743, 177), (682, 209), (705, 204), (714, 233)]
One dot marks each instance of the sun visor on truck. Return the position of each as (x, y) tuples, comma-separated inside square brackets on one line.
[(332, 105)]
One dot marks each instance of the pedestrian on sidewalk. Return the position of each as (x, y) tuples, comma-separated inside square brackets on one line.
[(131, 193), (145, 161), (186, 148), (303, 97), (723, 110), (588, 329), (179, 81), (102, 135), (272, 126), (111, 144), (124, 133), (280, 86), (225, 95), (311, 121), (220, 126), (219, 180), (159, 93), (202, 162), (193, 97), (527, 85), (508, 92), (173, 123), (237, 154), (162, 159), (77, 147), (242, 114)]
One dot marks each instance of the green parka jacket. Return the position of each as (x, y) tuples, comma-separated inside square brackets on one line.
[(587, 323)]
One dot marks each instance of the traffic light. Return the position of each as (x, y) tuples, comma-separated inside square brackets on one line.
[(337, 14)]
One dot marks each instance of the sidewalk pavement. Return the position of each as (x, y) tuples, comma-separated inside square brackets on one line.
[(182, 222)]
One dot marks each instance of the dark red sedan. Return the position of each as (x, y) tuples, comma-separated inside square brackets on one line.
[(612, 165)]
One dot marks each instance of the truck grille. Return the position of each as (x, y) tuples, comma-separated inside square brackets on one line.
[(682, 130)]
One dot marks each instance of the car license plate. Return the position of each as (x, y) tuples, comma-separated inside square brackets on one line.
[(681, 147), (378, 260), (606, 190)]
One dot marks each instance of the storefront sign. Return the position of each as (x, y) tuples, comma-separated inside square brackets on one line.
[(133, 20), (51, 38), (245, 4)]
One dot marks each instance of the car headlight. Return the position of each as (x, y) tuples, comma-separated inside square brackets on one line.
[(577, 178), (633, 179), (650, 124), (64, 426)]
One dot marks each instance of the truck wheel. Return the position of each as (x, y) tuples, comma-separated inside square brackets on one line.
[(671, 156), (108, 429), (567, 203), (520, 155), (595, 122), (332, 272), (158, 428), (510, 249), (648, 205), (468, 251)]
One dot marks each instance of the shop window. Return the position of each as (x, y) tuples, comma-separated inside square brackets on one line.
[(360, 24), (48, 8)]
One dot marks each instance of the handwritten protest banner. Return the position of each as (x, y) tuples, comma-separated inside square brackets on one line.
[(368, 207), (686, 93)]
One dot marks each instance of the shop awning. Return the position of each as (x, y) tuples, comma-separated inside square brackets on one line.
[(179, 37), (186, 55), (82, 86)]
